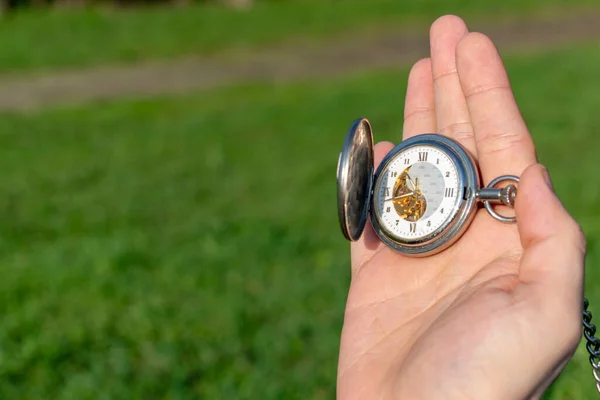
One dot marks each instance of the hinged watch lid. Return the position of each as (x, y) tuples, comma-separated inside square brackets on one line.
[(355, 179)]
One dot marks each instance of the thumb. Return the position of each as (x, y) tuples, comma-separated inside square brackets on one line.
[(554, 246)]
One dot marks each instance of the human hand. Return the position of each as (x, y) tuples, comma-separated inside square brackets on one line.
[(498, 314)]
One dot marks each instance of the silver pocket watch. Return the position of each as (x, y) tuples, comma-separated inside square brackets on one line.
[(422, 197)]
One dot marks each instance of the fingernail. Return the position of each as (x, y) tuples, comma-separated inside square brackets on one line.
[(547, 179)]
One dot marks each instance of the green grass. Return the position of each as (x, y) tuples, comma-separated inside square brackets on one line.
[(189, 248), (66, 38)]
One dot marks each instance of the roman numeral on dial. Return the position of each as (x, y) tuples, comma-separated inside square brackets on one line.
[(423, 156)]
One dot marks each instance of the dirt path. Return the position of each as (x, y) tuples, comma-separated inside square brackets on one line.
[(296, 61)]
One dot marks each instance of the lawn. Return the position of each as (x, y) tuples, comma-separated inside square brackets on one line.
[(188, 247), (66, 38)]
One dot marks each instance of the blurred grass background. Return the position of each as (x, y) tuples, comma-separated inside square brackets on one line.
[(188, 247), (42, 39)]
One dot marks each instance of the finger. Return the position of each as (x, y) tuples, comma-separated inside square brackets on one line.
[(419, 107), (452, 114), (363, 249), (503, 143), (551, 272), (553, 244)]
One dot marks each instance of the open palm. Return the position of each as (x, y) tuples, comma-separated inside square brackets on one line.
[(497, 315)]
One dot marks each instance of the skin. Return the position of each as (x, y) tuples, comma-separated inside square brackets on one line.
[(498, 314)]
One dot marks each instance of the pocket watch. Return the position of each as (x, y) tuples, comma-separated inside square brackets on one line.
[(422, 197)]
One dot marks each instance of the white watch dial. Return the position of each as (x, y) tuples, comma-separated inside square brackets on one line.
[(416, 193)]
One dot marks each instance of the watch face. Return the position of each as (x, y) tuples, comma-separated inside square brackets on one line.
[(417, 193)]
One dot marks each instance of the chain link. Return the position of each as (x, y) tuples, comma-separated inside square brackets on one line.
[(593, 343)]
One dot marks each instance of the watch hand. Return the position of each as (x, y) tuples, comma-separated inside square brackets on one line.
[(411, 181), (401, 196)]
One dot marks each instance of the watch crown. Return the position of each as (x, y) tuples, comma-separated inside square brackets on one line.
[(508, 194)]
